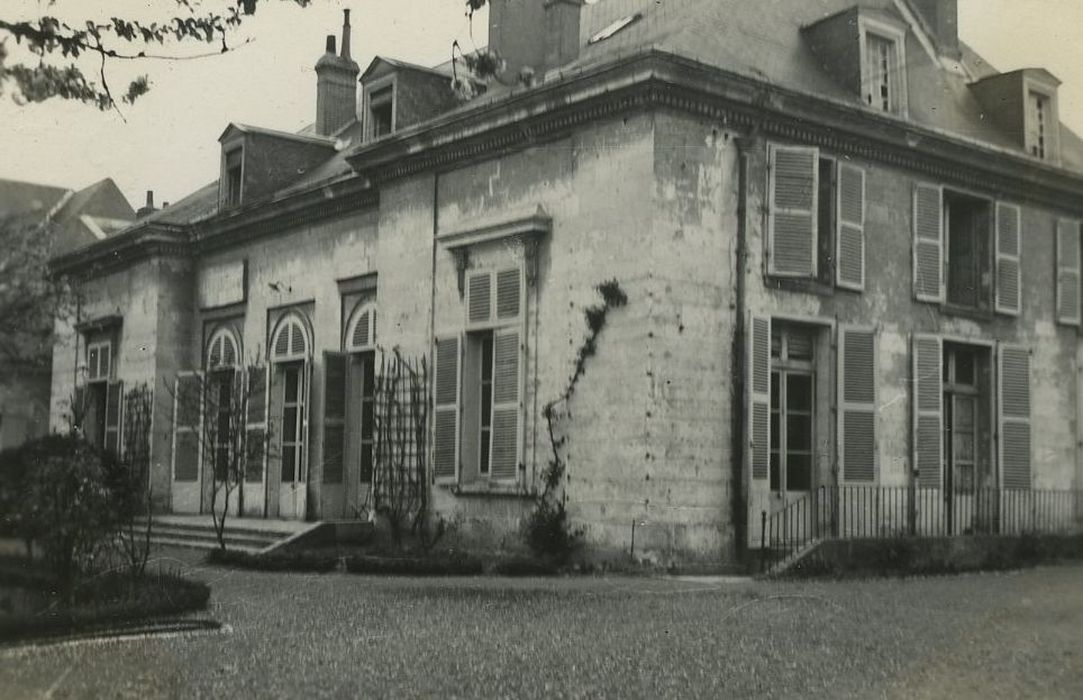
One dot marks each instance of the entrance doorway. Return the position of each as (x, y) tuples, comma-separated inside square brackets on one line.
[(293, 484), (968, 476)]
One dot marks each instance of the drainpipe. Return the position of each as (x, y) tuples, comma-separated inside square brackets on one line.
[(738, 447), (430, 480)]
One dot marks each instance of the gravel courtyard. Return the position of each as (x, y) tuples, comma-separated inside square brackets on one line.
[(336, 635)]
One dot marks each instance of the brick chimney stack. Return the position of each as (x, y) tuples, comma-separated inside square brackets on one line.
[(148, 208), (336, 85)]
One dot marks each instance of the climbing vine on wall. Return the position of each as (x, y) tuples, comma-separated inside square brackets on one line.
[(548, 532)]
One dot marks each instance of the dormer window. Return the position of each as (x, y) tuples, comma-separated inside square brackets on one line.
[(1037, 128), (232, 178), (379, 103), (883, 77)]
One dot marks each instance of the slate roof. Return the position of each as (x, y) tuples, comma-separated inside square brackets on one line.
[(80, 217), (18, 197)]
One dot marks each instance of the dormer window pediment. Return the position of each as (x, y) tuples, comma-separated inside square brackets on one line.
[(865, 51)]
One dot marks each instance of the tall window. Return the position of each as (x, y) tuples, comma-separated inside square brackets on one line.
[(232, 193), (968, 230), (292, 407), (382, 111), (792, 408), (485, 341), (883, 81), (1038, 131)]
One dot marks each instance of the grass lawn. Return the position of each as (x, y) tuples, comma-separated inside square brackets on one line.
[(335, 635)]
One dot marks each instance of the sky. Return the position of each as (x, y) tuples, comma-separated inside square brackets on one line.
[(168, 140)]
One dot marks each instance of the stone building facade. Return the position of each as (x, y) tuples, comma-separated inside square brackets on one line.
[(851, 251)]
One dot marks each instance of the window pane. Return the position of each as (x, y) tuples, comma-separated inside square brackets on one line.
[(964, 367), (487, 359), (366, 463), (776, 384), (292, 377), (776, 434), (289, 460), (369, 370), (485, 440), (799, 433), (289, 424), (798, 472), (776, 483), (366, 419), (799, 392)]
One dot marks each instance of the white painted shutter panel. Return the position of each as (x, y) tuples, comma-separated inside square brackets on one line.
[(1014, 416), (793, 217), (479, 298), (928, 402), (1008, 251), (187, 426), (857, 404), (850, 236), (929, 243), (306, 414), (446, 408), (506, 410), (759, 399), (256, 424), (1068, 272), (508, 294)]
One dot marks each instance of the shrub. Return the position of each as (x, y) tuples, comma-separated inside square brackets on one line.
[(67, 504), (548, 532), (311, 562)]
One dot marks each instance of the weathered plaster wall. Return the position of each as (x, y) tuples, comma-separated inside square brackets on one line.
[(647, 200), (888, 303)]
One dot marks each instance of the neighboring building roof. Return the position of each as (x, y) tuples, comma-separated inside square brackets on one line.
[(18, 197), (248, 129)]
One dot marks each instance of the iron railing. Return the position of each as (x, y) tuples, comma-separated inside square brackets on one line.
[(879, 512)]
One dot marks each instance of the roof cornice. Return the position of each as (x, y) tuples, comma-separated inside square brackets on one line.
[(136, 244), (653, 79)]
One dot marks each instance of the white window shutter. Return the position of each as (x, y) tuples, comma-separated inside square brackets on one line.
[(1014, 416), (1068, 272), (928, 402), (506, 408), (794, 184), (187, 426), (857, 404), (929, 243), (1008, 253), (479, 298), (306, 414), (850, 236), (256, 424), (448, 375)]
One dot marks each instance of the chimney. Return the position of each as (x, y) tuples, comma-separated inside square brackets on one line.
[(148, 208), (561, 32), (336, 85), (942, 19)]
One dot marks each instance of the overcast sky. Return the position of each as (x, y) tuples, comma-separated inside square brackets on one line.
[(169, 141)]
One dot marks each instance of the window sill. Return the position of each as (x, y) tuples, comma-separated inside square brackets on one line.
[(969, 312), (491, 489), (802, 285)]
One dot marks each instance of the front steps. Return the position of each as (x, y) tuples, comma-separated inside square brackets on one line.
[(251, 535)]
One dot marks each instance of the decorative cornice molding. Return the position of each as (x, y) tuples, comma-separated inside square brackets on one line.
[(519, 225), (656, 80)]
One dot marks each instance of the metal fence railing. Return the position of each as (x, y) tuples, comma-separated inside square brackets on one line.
[(858, 512)]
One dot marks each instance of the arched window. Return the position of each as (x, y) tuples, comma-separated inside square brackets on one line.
[(361, 330), (290, 340), (223, 351)]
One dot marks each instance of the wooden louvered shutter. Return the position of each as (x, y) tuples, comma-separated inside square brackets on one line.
[(793, 215), (187, 426), (479, 298), (114, 402), (446, 409), (334, 415), (929, 243), (928, 403), (1068, 272), (361, 335), (297, 340), (306, 416), (282, 342), (256, 424), (1014, 416), (850, 236), (1008, 252), (508, 294), (506, 409), (759, 392), (857, 404)]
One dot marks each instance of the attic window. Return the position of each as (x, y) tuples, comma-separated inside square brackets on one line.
[(619, 25), (232, 178), (882, 76), (382, 111), (1038, 124)]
